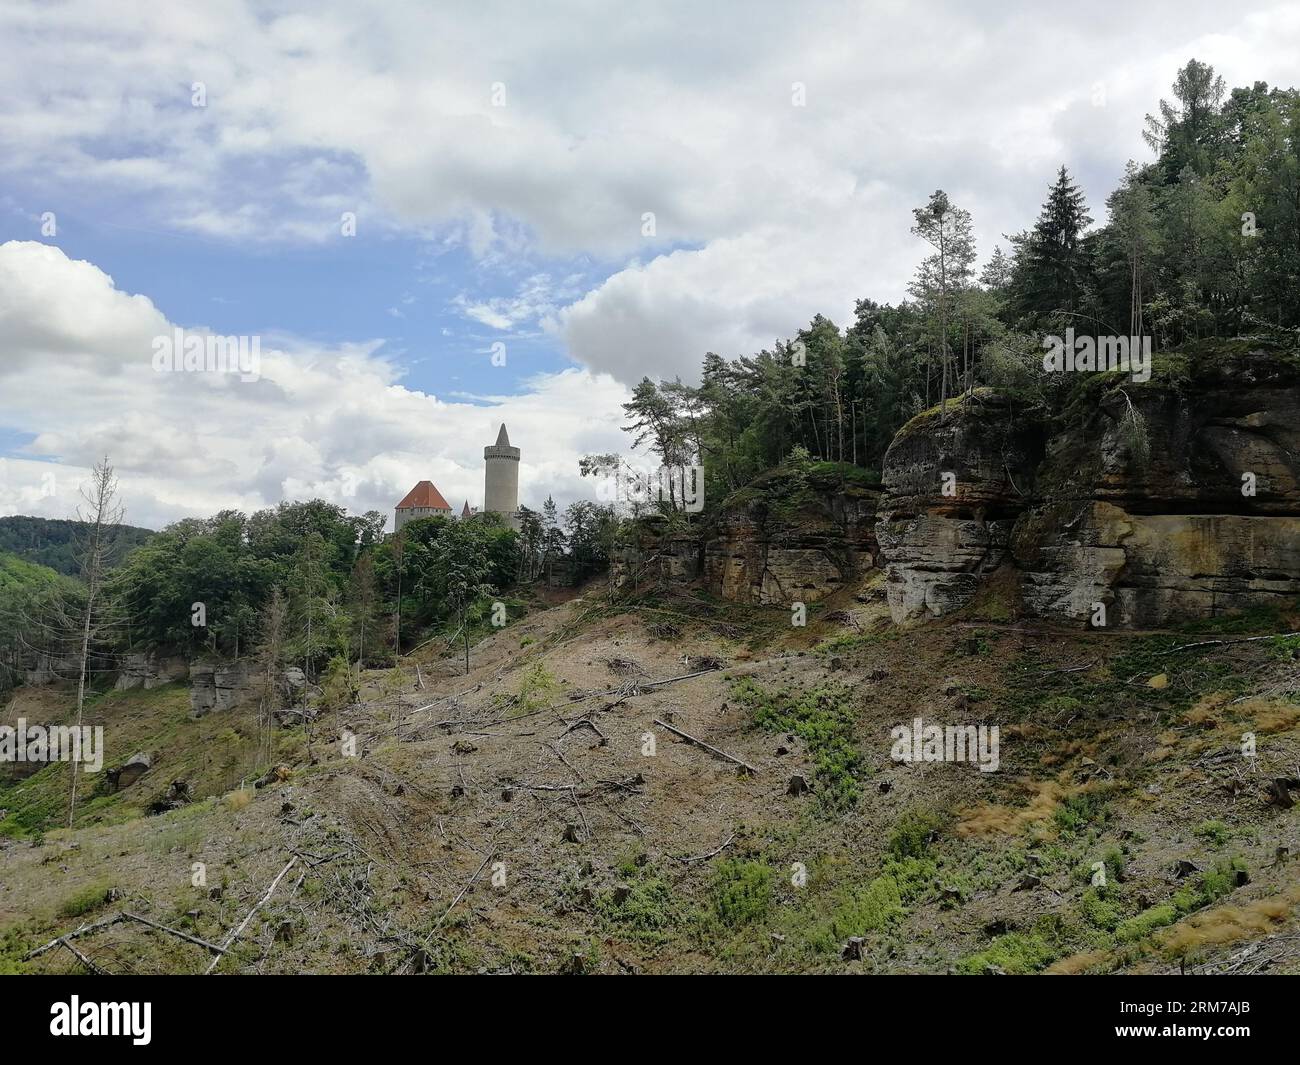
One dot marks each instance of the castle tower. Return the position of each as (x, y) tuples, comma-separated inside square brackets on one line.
[(501, 478)]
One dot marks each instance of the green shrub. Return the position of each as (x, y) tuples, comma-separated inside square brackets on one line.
[(1098, 911), (87, 900), (1146, 922), (868, 909), (912, 833), (1078, 812), (1208, 888), (823, 718), (537, 688), (742, 891), (1216, 833), (1015, 954), (642, 906)]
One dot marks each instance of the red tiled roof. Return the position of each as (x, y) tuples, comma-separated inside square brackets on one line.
[(424, 495)]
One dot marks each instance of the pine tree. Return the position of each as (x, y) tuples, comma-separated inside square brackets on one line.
[(270, 656), (996, 275), (1134, 232), (552, 535), (944, 274), (1189, 132), (363, 604), (312, 602), (1052, 263)]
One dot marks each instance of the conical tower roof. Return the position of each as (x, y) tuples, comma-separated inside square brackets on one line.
[(503, 438)]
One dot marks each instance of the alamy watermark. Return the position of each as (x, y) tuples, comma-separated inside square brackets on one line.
[(77, 1018), (181, 352), (634, 486), (53, 743), (919, 742), (1087, 353)]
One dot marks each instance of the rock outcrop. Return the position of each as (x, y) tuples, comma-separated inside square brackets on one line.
[(672, 559), (220, 685), (954, 486), (788, 537), (126, 774), (781, 543), (1175, 499), (46, 668), (148, 671)]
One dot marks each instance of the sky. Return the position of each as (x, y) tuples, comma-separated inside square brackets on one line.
[(438, 218)]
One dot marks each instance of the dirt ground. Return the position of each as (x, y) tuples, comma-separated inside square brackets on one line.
[(540, 815)]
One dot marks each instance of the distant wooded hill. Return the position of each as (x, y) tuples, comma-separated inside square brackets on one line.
[(51, 541)]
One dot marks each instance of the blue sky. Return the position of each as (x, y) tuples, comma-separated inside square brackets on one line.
[(399, 287)]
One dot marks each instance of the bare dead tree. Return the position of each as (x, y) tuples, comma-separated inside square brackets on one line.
[(270, 665), (101, 513)]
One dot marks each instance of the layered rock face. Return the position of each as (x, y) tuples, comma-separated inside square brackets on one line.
[(220, 685), (148, 671), (1085, 514), (47, 669), (781, 540), (954, 486), (670, 559), (798, 550)]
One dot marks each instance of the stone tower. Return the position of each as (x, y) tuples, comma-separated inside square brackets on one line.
[(501, 478)]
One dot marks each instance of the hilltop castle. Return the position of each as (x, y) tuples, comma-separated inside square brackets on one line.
[(500, 489)]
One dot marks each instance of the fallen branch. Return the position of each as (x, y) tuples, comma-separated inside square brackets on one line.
[(1071, 669), (637, 687), (84, 929), (97, 970), (174, 932), (1217, 643), (708, 747), (230, 939), (460, 895), (705, 857), (588, 723), (558, 754)]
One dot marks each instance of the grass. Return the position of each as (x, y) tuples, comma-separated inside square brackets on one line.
[(741, 892), (641, 908), (1208, 888), (845, 642), (1082, 810), (86, 900), (1016, 954), (537, 687), (824, 718), (1215, 833), (914, 832)]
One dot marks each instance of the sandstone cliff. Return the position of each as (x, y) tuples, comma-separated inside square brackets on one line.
[(793, 535), (1081, 509)]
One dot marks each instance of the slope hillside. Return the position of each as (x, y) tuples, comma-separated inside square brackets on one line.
[(52, 541), (546, 813)]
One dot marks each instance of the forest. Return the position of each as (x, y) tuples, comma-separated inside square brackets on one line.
[(1201, 243)]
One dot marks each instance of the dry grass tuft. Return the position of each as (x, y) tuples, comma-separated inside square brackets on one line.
[(1227, 924), (989, 819)]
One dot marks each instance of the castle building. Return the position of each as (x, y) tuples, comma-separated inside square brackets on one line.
[(500, 489), (422, 501), (501, 479)]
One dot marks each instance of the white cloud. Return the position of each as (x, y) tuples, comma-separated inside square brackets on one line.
[(765, 212), (334, 422)]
